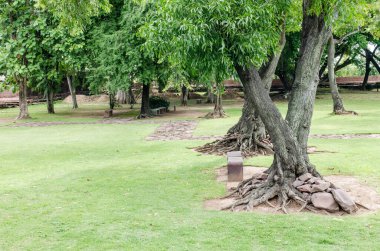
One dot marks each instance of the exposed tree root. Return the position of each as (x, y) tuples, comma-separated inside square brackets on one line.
[(255, 191), (144, 116), (247, 144), (216, 114), (344, 112)]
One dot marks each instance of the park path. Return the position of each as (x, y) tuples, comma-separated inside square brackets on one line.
[(177, 129)]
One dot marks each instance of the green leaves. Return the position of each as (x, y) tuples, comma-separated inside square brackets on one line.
[(75, 14), (212, 35)]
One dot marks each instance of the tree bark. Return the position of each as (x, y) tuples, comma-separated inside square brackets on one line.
[(338, 107), (184, 96), (50, 99), (218, 111), (23, 99), (121, 97), (131, 97), (112, 100), (72, 92), (210, 96), (367, 70), (145, 109), (315, 34)]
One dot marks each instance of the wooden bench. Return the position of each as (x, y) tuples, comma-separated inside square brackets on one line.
[(199, 101), (159, 110), (234, 166)]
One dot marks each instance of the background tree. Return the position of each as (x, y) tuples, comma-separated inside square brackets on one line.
[(19, 47)]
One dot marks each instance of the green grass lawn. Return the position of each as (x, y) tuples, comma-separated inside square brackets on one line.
[(103, 187)]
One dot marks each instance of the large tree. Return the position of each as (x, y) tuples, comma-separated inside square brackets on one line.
[(244, 34)]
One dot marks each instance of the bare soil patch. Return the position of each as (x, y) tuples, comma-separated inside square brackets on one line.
[(347, 136), (365, 196), (177, 130), (88, 99)]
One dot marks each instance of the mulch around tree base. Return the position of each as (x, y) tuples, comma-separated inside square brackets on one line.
[(177, 130), (360, 191)]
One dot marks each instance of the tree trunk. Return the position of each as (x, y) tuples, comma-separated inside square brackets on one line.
[(121, 97), (145, 109), (23, 100), (112, 100), (184, 96), (315, 34), (289, 136), (338, 107), (210, 96), (131, 97), (50, 99), (218, 111), (72, 92), (367, 70)]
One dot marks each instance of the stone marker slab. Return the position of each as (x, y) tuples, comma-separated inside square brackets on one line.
[(234, 154), (235, 169)]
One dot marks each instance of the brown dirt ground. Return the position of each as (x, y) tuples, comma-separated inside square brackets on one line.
[(88, 99), (360, 191)]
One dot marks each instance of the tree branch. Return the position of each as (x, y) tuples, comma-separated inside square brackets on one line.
[(267, 71)]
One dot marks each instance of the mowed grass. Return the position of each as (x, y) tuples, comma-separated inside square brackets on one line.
[(103, 187)]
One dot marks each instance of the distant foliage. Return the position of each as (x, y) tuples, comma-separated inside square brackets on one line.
[(156, 102)]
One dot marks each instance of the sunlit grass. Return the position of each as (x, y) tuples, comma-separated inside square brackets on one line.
[(103, 187)]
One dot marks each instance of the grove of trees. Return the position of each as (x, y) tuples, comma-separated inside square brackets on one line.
[(115, 44)]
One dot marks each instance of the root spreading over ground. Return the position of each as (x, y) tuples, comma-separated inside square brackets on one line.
[(248, 145), (310, 193)]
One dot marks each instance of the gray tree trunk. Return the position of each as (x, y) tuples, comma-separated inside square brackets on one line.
[(367, 70), (218, 111), (50, 99), (72, 92), (337, 100), (23, 100), (145, 109), (131, 97), (315, 34), (184, 96), (121, 97), (338, 107), (210, 96)]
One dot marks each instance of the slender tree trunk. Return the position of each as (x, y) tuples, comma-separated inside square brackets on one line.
[(50, 99), (337, 100), (72, 92), (131, 97), (121, 97), (218, 111), (218, 107), (184, 96), (145, 109), (112, 100), (210, 96), (367, 70), (23, 100)]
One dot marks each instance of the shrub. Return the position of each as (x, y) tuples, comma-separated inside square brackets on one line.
[(156, 102)]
